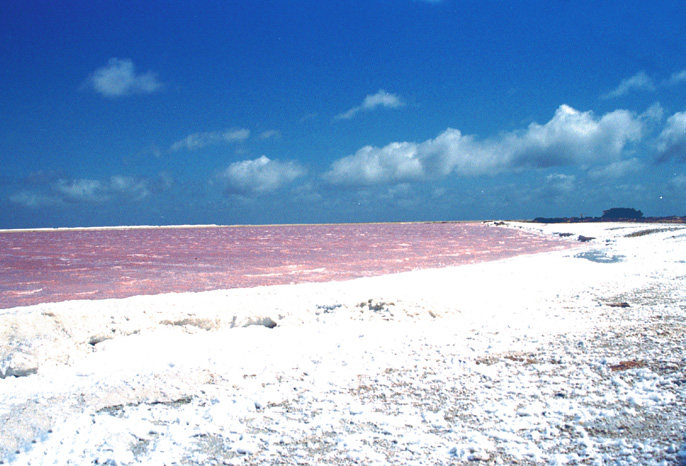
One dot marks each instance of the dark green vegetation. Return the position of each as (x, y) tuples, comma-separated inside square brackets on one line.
[(615, 214), (621, 213)]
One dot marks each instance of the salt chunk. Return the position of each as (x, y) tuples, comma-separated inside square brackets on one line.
[(469, 453), (436, 420), (246, 447), (534, 409), (18, 364), (355, 409)]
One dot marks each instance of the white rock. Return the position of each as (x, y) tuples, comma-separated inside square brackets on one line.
[(18, 364)]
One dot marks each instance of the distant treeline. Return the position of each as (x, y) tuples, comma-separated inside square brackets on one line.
[(616, 214)]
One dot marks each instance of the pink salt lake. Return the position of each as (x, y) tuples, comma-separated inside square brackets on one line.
[(59, 265)]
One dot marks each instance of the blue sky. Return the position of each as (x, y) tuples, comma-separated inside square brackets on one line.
[(126, 113)]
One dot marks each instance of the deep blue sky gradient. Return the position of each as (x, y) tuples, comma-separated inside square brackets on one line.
[(254, 112)]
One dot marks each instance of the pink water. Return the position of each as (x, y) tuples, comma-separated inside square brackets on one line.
[(58, 265)]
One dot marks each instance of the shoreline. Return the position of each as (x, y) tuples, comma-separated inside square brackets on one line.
[(552, 358)]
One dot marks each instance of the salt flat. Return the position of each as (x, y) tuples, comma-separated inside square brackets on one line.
[(568, 357)]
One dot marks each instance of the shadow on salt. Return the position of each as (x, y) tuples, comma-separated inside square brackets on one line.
[(601, 256)]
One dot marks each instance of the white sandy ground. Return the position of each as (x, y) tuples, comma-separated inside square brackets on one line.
[(529, 360)]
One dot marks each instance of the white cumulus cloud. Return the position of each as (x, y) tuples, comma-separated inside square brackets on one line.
[(638, 82), (33, 199), (259, 176), (616, 169), (372, 102), (119, 79), (677, 78), (81, 190), (671, 143), (395, 162), (654, 113), (570, 138), (129, 187), (197, 141), (118, 188), (557, 186), (573, 138), (678, 183), (270, 134), (96, 191)]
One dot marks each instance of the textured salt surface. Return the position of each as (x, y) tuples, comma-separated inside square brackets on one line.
[(543, 359)]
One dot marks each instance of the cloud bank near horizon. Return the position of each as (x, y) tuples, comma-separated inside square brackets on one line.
[(601, 146), (62, 191)]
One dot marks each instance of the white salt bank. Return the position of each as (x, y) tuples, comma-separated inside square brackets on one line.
[(568, 357)]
